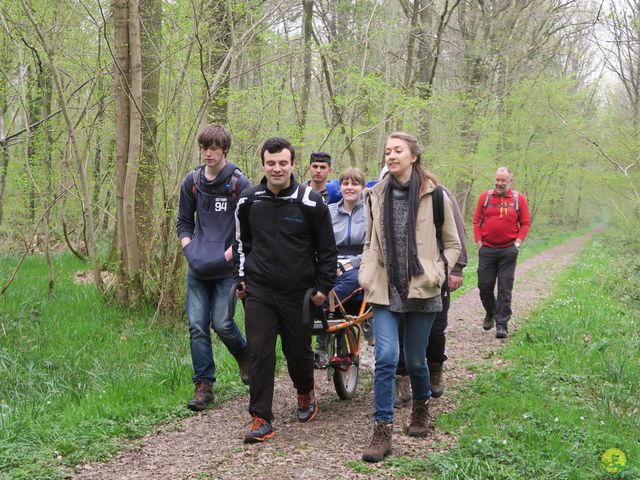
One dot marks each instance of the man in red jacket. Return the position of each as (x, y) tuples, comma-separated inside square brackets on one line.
[(500, 225)]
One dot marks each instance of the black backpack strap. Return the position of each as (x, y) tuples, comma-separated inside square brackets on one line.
[(233, 186), (303, 194), (438, 220), (484, 207), (195, 176)]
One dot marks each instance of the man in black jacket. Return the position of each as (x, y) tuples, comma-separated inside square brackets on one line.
[(284, 246)]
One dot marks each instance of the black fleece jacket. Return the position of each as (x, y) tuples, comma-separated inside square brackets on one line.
[(284, 242)]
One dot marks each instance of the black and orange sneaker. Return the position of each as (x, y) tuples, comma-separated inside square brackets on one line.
[(307, 406), (261, 430)]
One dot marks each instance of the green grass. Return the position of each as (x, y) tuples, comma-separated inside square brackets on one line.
[(570, 390), (79, 376), (535, 243)]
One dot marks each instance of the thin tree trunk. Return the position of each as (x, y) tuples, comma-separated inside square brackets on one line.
[(307, 9), (4, 163), (133, 157), (121, 73), (150, 37), (218, 44), (84, 187)]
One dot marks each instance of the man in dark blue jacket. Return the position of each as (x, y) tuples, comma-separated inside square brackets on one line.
[(206, 228), (284, 246)]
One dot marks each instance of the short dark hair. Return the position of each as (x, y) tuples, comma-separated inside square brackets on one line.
[(275, 145), (320, 157), (215, 135)]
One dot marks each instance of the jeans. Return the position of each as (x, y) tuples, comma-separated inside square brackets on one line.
[(497, 264), (417, 326), (346, 284), (437, 347), (208, 307)]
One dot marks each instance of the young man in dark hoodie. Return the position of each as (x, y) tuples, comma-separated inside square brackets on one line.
[(206, 228), (284, 246)]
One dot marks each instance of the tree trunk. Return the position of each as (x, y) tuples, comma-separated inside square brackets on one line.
[(121, 73), (151, 43), (133, 156), (307, 13), (218, 44), (4, 157), (82, 173)]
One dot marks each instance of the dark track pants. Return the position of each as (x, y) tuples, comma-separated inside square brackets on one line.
[(497, 264), (267, 314)]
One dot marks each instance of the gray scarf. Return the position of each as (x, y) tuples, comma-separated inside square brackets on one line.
[(413, 185)]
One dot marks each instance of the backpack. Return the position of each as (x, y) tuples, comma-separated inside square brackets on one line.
[(486, 202), (231, 189), (438, 220)]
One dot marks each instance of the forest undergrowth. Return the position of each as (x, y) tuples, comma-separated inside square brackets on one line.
[(81, 378)]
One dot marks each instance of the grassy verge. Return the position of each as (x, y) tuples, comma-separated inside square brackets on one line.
[(570, 390), (536, 242), (78, 376)]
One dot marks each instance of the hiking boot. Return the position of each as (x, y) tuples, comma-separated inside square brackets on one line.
[(403, 391), (380, 443), (320, 360), (307, 406), (243, 366), (202, 397), (437, 379), (261, 430), (419, 423), (501, 331), (488, 322)]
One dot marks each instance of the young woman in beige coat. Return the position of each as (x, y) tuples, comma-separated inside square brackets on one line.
[(402, 274)]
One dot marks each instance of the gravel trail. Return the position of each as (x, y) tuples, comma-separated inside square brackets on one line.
[(209, 445)]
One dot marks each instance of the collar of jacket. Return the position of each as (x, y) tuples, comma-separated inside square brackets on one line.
[(378, 189), (360, 204), (287, 192)]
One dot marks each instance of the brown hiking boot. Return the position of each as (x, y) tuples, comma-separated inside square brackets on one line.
[(437, 379), (243, 366), (380, 443), (403, 391), (419, 425), (202, 397)]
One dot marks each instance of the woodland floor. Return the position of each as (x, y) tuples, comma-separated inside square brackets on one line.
[(209, 445)]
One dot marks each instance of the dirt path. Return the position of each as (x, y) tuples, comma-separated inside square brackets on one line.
[(209, 445)]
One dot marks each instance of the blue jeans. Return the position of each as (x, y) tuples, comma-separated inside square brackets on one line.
[(208, 307), (417, 326), (346, 283)]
